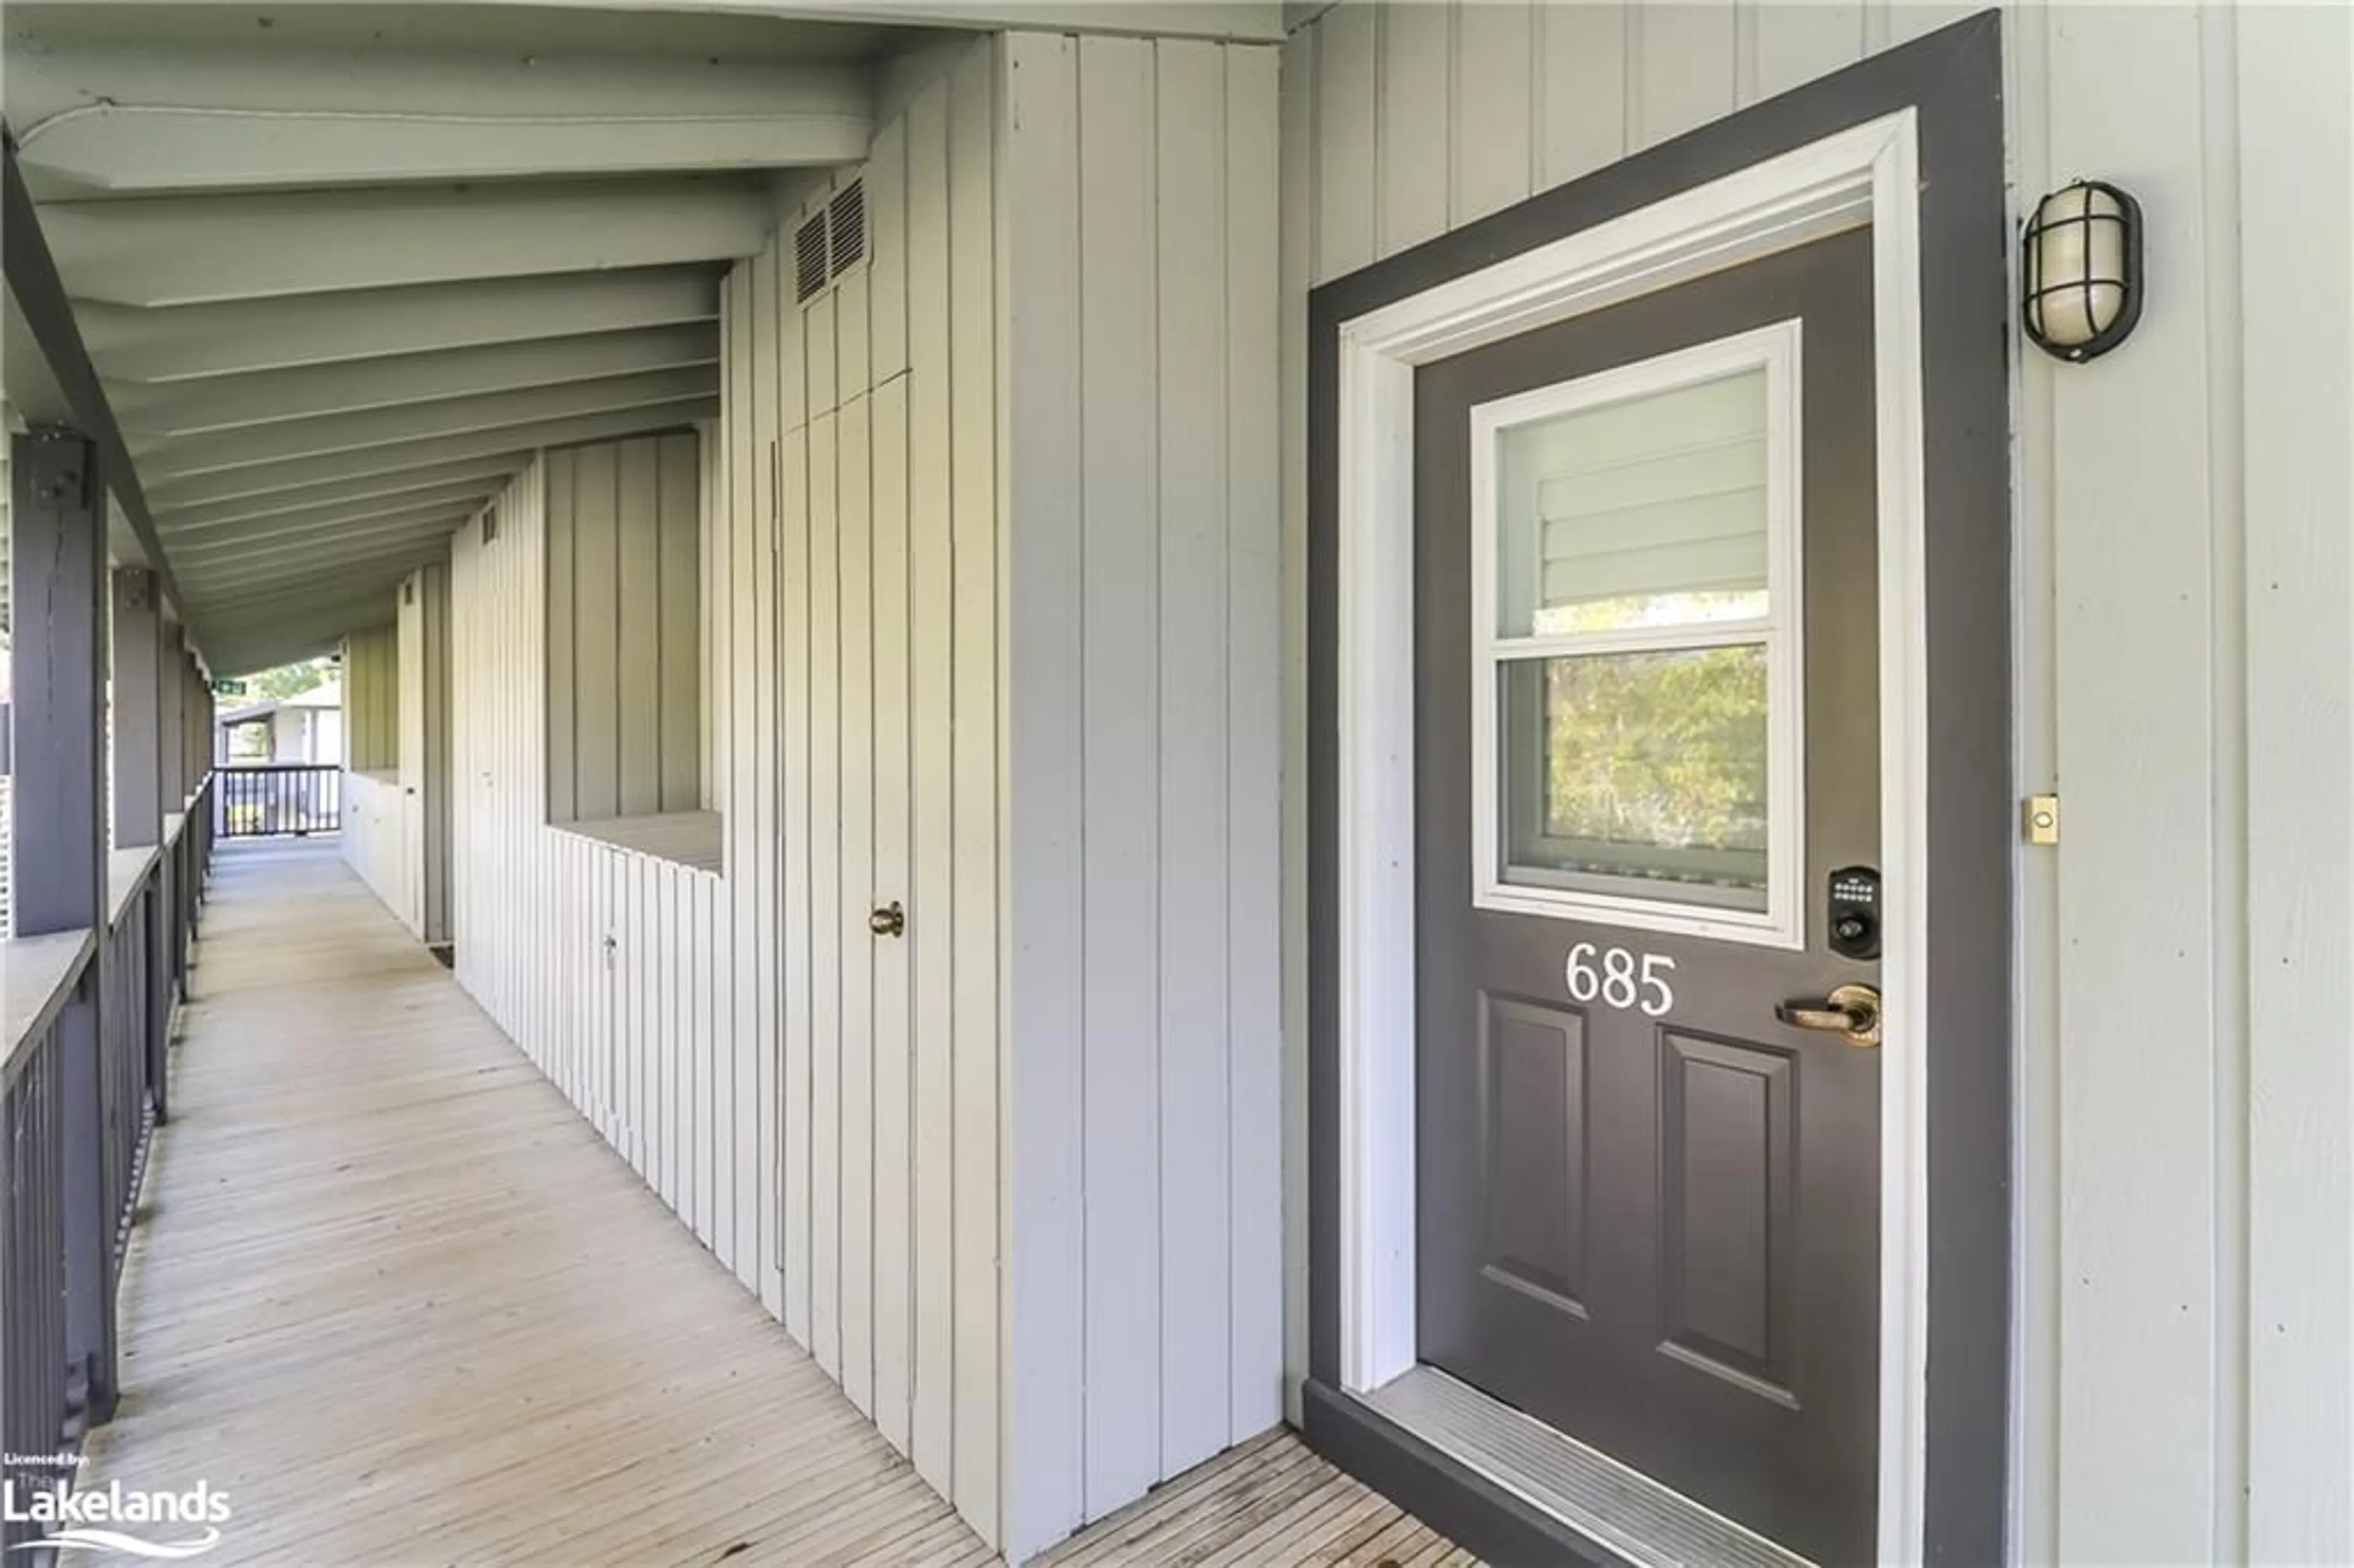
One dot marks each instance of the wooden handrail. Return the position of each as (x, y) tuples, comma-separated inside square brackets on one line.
[(37, 975), (127, 871)]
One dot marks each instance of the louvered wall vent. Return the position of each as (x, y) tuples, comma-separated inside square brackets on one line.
[(809, 259), (829, 242), (846, 217)]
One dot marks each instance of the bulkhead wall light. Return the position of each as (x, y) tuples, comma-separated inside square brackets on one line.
[(2080, 272)]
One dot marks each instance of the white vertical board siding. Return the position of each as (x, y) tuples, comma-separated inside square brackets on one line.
[(413, 848), (756, 1109), (409, 885), (624, 605), (975, 764), (2182, 1304), (820, 1105), (1141, 625), (433, 596), (596, 961), (1253, 585), (930, 943), (2297, 212), (371, 697), (372, 841), (885, 740), (2147, 708)]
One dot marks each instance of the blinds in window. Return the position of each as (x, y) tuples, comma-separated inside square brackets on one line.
[(1658, 495)]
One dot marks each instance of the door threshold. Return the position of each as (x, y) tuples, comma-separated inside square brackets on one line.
[(1596, 1496)]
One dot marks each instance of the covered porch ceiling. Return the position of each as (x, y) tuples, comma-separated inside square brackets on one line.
[(339, 268)]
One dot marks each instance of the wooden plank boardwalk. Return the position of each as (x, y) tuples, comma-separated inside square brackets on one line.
[(396, 1299)]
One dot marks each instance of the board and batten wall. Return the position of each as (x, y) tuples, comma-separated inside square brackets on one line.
[(624, 628), (372, 838), (371, 667), (2183, 1320), (822, 1106), (1142, 560), (424, 764), (1018, 1194), (866, 424)]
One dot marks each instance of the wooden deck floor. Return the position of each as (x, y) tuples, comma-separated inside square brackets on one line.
[(400, 1304)]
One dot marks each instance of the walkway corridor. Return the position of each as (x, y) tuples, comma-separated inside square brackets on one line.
[(400, 1303)]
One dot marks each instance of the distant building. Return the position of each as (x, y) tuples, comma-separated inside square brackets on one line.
[(305, 727)]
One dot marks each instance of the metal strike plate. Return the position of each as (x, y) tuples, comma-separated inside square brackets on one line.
[(2039, 818)]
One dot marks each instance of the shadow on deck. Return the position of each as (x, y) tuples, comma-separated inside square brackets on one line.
[(396, 1300)]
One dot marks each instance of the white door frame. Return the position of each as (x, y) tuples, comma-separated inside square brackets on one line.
[(1865, 175)]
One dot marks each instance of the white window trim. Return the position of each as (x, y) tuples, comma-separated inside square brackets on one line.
[(1781, 632), (1866, 173)]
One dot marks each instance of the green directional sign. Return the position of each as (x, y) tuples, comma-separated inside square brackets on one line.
[(229, 688)]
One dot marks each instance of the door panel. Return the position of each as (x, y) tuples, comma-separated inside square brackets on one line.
[(1649, 1212), (1728, 1131), (1532, 1139)]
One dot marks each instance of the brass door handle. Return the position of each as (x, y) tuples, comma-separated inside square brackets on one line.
[(889, 920), (1851, 1012)]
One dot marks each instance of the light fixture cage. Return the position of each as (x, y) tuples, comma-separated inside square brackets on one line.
[(2050, 303)]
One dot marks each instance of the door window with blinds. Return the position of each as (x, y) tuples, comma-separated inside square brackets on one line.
[(1637, 732)]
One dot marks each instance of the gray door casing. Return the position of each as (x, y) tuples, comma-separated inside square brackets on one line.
[(1952, 82)]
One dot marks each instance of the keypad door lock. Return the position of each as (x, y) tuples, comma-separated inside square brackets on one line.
[(1855, 913)]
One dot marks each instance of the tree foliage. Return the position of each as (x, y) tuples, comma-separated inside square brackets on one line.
[(289, 681), (1664, 750)]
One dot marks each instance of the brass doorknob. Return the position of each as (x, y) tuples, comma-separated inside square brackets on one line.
[(1851, 1012), (889, 920)]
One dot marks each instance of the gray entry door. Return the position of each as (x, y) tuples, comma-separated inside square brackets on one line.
[(1647, 913)]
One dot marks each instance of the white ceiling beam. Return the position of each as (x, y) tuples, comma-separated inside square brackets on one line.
[(260, 641), (431, 498), (242, 646), (251, 659), (259, 607), (225, 584), (367, 491), (319, 573), (150, 121), (188, 250), (161, 461), (1246, 21), (149, 413), (129, 344), (224, 545), (514, 445), (236, 557), (160, 151)]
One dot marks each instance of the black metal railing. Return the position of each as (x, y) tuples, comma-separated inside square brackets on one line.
[(35, 1404), (276, 799), (128, 1058), (65, 1216), (191, 854)]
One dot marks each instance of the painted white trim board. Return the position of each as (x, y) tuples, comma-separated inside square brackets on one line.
[(1774, 350), (1866, 173)]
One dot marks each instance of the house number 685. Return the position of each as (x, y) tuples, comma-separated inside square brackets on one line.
[(1618, 978)]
